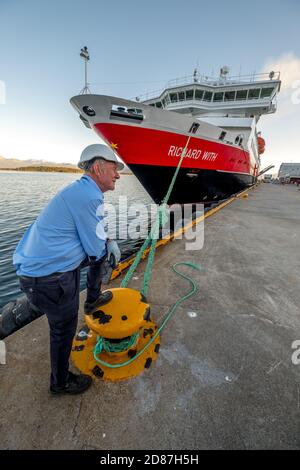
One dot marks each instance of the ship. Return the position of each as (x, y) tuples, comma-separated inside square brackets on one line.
[(213, 119)]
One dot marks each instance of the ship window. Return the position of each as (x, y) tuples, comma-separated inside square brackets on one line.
[(218, 96), (229, 95), (222, 135), (266, 92), (124, 114), (152, 104), (199, 94), (254, 94), (158, 104), (189, 94), (174, 97), (181, 96), (167, 98), (207, 96), (241, 95)]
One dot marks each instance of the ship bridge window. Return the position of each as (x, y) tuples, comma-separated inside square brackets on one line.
[(158, 104), (241, 95), (222, 135), (266, 92), (174, 97), (207, 96), (199, 94), (181, 95), (167, 99), (254, 94), (229, 95), (218, 96), (189, 94)]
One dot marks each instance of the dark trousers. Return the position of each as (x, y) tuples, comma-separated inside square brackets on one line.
[(57, 295)]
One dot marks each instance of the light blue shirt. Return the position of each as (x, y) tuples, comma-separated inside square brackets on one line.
[(69, 229)]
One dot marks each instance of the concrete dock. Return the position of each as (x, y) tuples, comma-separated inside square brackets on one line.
[(224, 378)]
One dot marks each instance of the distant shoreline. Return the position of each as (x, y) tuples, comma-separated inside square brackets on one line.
[(48, 169), (45, 169)]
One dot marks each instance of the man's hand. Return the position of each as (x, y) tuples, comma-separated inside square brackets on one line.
[(113, 253)]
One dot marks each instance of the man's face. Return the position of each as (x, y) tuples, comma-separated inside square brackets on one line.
[(106, 175)]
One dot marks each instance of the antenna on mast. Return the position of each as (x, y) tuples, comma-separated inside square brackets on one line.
[(84, 53)]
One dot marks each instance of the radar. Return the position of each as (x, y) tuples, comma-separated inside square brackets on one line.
[(224, 71), (271, 75), (195, 75)]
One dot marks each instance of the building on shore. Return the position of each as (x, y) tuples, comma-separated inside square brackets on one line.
[(289, 173)]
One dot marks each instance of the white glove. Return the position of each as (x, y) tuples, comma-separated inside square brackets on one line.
[(111, 261), (113, 253)]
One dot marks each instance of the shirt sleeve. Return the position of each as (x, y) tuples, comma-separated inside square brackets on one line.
[(90, 226)]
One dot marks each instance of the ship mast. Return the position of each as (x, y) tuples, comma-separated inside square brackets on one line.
[(84, 53)]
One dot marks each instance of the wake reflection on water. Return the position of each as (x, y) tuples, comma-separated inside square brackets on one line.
[(23, 196)]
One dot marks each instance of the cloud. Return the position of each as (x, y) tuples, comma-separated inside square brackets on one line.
[(289, 67), (289, 96), (282, 129)]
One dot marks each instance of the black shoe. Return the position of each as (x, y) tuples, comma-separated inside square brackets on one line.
[(75, 384), (104, 298)]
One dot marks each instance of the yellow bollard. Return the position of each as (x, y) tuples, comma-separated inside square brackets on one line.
[(126, 314)]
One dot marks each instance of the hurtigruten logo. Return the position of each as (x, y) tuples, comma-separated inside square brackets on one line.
[(2, 92), (192, 153)]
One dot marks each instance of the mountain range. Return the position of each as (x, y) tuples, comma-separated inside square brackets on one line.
[(13, 163)]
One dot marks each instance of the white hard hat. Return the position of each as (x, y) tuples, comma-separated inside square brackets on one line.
[(98, 151)]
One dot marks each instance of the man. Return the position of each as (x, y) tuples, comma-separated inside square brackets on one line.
[(67, 236)]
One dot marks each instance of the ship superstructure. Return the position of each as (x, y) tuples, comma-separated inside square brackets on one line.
[(218, 115)]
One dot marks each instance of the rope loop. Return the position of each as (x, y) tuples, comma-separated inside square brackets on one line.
[(104, 344)]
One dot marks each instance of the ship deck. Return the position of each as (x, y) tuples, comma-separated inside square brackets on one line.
[(224, 378)]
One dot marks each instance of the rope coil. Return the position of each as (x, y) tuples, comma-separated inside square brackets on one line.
[(104, 344)]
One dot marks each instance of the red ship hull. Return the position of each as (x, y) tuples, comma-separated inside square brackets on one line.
[(210, 170)]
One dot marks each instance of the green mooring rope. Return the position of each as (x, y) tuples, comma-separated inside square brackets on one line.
[(161, 219), (103, 344)]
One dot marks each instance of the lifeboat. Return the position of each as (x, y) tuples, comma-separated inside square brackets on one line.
[(261, 145)]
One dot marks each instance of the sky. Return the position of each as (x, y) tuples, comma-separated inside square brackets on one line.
[(136, 46)]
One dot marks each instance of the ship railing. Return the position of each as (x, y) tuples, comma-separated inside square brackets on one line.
[(201, 79)]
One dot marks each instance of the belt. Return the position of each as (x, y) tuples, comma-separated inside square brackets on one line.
[(49, 276)]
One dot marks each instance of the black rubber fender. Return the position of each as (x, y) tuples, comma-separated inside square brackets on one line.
[(16, 314)]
